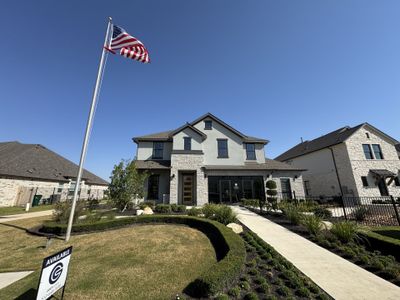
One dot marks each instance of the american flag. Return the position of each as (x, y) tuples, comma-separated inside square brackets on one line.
[(128, 46)]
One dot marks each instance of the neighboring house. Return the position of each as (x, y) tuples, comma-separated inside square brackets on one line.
[(29, 170), (357, 161), (209, 161)]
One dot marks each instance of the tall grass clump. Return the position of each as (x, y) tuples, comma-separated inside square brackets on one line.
[(345, 231), (312, 223), (293, 214)]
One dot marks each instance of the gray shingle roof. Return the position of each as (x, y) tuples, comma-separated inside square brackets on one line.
[(35, 161), (153, 164), (335, 137), (167, 135), (270, 165)]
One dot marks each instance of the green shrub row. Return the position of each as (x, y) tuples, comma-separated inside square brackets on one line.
[(148, 203), (229, 248), (168, 208)]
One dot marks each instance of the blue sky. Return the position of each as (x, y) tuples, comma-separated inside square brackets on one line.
[(278, 70)]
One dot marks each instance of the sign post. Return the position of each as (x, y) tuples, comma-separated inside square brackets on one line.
[(54, 274)]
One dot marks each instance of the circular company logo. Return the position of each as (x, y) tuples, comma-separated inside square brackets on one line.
[(56, 273)]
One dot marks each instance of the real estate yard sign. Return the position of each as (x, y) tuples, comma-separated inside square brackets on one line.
[(54, 274)]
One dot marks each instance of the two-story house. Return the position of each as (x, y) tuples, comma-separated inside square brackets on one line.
[(359, 161), (207, 160)]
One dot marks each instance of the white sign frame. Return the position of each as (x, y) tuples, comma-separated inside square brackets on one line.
[(53, 274)]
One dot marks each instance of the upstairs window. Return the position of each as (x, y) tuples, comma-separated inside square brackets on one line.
[(222, 148), (158, 149), (367, 134), (251, 151), (364, 180), (207, 125), (367, 151), (397, 181), (187, 143), (377, 151)]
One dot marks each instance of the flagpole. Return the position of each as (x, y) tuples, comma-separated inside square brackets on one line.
[(89, 127)]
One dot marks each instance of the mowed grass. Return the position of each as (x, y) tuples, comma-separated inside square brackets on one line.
[(137, 262), (14, 210), (389, 231)]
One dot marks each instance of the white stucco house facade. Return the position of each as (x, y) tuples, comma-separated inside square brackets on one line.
[(207, 160), (359, 161), (29, 171)]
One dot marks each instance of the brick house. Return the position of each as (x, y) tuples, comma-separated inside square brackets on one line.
[(207, 160), (27, 170), (359, 161)]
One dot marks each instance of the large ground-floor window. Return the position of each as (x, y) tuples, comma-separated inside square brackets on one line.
[(234, 188)]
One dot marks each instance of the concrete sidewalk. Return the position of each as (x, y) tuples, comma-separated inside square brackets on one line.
[(9, 218), (338, 277), (10, 277)]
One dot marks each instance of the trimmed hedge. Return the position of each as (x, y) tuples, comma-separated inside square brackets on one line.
[(228, 246), (384, 244)]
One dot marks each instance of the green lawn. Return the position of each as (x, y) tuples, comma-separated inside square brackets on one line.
[(139, 262), (389, 231), (13, 210)]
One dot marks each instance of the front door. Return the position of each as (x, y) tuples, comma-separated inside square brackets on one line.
[(286, 189), (225, 191), (188, 189), (383, 187)]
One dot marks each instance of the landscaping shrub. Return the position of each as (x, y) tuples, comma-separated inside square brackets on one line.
[(293, 214), (264, 288), (283, 290), (163, 208), (222, 297), (244, 285), (228, 245), (303, 292), (234, 292), (93, 203), (251, 296), (312, 223), (361, 213), (194, 211), (148, 203), (322, 212), (345, 231), (62, 211), (179, 208), (219, 212), (271, 194), (250, 202)]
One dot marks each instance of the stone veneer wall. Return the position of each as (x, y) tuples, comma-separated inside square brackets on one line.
[(188, 162), (361, 166), (11, 188)]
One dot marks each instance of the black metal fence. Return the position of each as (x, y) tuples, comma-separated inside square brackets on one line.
[(370, 211)]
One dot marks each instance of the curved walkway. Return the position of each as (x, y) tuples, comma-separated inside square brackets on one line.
[(338, 277), (9, 218)]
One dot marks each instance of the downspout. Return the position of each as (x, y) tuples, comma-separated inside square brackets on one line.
[(336, 171)]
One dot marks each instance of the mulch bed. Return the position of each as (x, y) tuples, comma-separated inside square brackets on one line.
[(302, 231)]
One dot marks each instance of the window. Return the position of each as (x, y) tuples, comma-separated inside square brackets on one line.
[(158, 149), (187, 143), (377, 151), (222, 148), (367, 134), (396, 181), (367, 151), (207, 124), (364, 180), (251, 151)]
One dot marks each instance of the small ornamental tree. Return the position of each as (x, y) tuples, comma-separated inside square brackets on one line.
[(271, 194), (127, 184)]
